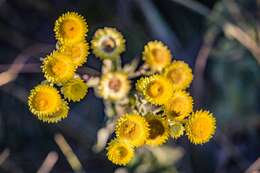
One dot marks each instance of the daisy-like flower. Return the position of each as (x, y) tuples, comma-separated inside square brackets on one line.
[(70, 28), (179, 106), (58, 67), (156, 55), (159, 130), (176, 129), (44, 100), (77, 52), (114, 86), (180, 74), (200, 127), (75, 89), (120, 152), (108, 43), (133, 128), (156, 89), (62, 113)]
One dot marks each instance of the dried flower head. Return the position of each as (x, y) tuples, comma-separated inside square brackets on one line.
[(108, 43)]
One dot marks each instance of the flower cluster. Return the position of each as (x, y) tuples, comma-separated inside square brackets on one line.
[(157, 108), (45, 101), (170, 108)]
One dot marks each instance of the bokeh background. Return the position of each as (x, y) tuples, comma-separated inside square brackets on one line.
[(219, 39)]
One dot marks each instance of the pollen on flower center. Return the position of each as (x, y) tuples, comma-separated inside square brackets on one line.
[(155, 89), (108, 45), (175, 75), (157, 128), (69, 28), (121, 152), (158, 55), (115, 84), (41, 101), (57, 67), (129, 129)]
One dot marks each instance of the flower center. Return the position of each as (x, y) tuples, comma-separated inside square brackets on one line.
[(42, 101), (129, 129), (108, 45), (76, 52), (121, 152), (155, 89), (156, 128), (201, 129), (158, 55), (69, 28), (115, 84), (175, 75), (58, 67)]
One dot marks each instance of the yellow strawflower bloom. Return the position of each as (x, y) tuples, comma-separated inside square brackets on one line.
[(108, 43), (75, 89), (44, 100), (77, 52), (70, 28), (176, 129), (133, 128), (120, 152), (180, 74), (156, 55), (156, 89), (159, 130), (58, 67), (179, 106), (114, 86), (62, 113), (200, 127)]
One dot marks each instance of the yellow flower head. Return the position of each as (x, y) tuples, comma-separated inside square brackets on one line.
[(159, 130), (120, 152), (114, 86), (156, 55), (44, 100), (133, 128), (70, 28), (200, 127), (179, 106), (62, 113), (156, 89), (77, 52), (176, 130), (58, 67), (108, 43), (75, 89), (180, 74)]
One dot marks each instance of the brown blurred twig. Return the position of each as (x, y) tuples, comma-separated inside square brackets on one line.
[(235, 32), (48, 163), (4, 155), (68, 153), (255, 167), (17, 65)]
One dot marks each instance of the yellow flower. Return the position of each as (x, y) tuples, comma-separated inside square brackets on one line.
[(44, 100), (108, 43), (133, 128), (114, 86), (179, 106), (200, 127), (120, 152), (156, 89), (159, 130), (75, 89), (156, 55), (180, 74), (70, 28), (58, 67), (77, 52), (58, 115), (176, 130)]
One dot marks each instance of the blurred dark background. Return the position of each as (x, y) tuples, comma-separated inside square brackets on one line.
[(219, 39)]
